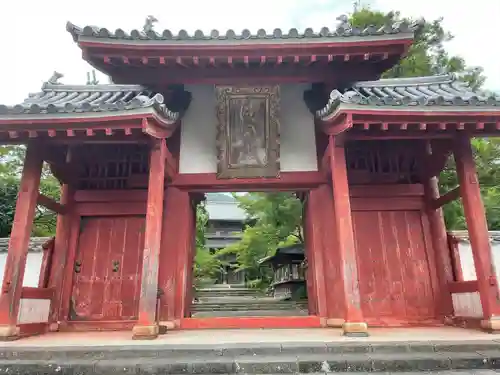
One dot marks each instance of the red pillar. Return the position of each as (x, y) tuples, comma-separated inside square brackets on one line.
[(147, 325), (354, 324), (173, 257), (314, 248), (18, 245), (477, 226), (60, 257), (439, 239)]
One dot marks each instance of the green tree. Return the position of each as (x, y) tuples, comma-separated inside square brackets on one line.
[(428, 56), (276, 221), (11, 164), (206, 265)]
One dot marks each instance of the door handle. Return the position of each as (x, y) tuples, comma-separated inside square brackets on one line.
[(116, 266)]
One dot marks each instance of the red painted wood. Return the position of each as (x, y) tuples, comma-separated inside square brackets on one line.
[(48, 251), (59, 259), (322, 266), (110, 208), (102, 325), (469, 286), (32, 329), (68, 277), (37, 293), (311, 257), (108, 196), (477, 226), (184, 257), (458, 273), (437, 229), (251, 322), (99, 292), (395, 280), (20, 236), (344, 233), (152, 240), (208, 182)]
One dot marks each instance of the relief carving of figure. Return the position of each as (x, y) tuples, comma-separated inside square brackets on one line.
[(248, 146)]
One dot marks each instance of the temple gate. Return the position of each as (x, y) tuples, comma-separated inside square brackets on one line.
[(190, 114)]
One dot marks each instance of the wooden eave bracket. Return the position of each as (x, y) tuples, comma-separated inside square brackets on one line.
[(158, 133), (51, 204), (337, 126), (155, 131), (450, 196)]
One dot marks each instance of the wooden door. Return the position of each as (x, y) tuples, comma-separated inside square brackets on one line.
[(107, 270), (394, 275)]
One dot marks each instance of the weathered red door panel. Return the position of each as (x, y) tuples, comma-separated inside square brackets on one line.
[(395, 280), (107, 268)]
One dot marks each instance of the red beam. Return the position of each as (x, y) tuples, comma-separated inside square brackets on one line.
[(450, 196), (470, 286), (51, 204), (221, 75), (288, 181), (37, 293), (251, 322)]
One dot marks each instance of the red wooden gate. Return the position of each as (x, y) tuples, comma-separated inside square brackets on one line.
[(107, 270), (395, 278)]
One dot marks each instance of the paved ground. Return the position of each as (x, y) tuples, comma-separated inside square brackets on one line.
[(253, 336)]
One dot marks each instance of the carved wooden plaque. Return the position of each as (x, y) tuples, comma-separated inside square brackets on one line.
[(248, 131)]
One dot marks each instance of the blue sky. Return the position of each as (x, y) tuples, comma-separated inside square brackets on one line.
[(34, 43)]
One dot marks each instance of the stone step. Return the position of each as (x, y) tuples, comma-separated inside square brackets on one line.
[(419, 362), (247, 313), (202, 307)]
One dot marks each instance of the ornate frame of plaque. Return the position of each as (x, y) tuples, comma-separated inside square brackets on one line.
[(248, 131)]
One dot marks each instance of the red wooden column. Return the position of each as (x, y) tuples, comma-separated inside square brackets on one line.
[(444, 306), (477, 227), (354, 324), (147, 325), (174, 256), (19, 240)]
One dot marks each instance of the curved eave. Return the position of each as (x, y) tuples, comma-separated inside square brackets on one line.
[(85, 117), (370, 40), (469, 110)]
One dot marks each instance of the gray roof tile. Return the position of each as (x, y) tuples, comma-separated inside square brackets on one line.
[(343, 30), (436, 91), (56, 98)]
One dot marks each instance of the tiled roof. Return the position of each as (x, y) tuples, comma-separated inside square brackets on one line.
[(224, 207), (58, 99), (147, 33), (437, 91)]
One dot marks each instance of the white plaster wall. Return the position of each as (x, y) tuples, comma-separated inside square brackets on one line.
[(32, 271), (467, 261), (198, 132)]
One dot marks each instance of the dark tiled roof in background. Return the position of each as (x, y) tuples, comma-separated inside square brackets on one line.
[(442, 90), (57, 98), (35, 244), (342, 31)]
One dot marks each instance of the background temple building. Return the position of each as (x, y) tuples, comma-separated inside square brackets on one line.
[(305, 112), (225, 226)]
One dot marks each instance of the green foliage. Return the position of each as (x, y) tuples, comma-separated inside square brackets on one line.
[(206, 265), (11, 164), (487, 159), (427, 55), (277, 222)]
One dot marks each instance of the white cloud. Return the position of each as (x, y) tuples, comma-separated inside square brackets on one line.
[(34, 42)]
